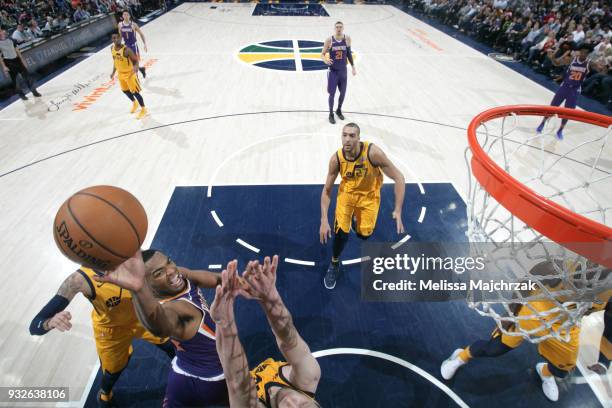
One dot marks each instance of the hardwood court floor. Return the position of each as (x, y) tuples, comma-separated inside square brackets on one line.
[(216, 120)]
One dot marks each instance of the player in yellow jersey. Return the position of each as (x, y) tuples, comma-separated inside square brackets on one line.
[(114, 321), (560, 356), (125, 63), (361, 166), (272, 383)]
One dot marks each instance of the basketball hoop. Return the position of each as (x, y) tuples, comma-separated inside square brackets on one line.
[(528, 190)]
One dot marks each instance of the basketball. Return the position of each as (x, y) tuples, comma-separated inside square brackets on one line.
[(100, 227)]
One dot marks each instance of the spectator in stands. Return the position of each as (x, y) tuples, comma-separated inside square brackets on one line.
[(11, 62), (542, 46), (594, 10), (602, 50), (534, 30), (531, 38), (6, 20), (578, 35), (602, 80), (64, 21), (80, 14), (19, 35), (35, 30)]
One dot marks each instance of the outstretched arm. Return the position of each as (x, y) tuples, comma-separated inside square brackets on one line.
[(305, 370), (179, 320), (52, 315), (380, 159), (332, 174), (233, 359)]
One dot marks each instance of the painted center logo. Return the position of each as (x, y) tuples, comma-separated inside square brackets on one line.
[(285, 55)]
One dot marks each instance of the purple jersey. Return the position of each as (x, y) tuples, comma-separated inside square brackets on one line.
[(576, 73), (197, 357), (338, 54), (128, 33)]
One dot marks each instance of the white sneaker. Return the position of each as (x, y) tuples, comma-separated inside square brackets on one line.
[(549, 385), (451, 365)]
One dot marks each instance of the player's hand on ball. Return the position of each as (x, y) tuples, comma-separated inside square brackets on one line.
[(129, 275), (222, 308), (61, 321), (262, 279), (397, 216), (324, 232)]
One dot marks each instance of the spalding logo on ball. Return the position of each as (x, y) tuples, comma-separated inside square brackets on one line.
[(100, 227)]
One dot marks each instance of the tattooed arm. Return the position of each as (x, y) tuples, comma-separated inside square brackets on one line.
[(305, 370), (233, 359), (53, 315)]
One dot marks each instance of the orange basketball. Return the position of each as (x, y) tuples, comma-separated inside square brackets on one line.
[(100, 227)]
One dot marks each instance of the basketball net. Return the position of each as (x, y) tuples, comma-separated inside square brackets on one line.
[(523, 187)]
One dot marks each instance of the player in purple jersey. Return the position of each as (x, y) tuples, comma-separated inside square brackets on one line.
[(272, 384), (168, 300), (128, 30), (569, 90), (339, 48)]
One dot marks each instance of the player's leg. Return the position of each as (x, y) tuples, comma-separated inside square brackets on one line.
[(134, 85), (332, 85), (605, 345), (13, 72), (114, 347), (560, 360), (125, 88), (571, 101), (26, 76), (186, 391), (342, 228), (342, 81), (559, 97), (366, 214), (496, 346)]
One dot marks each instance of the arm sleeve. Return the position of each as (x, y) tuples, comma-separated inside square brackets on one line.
[(55, 305), (349, 56)]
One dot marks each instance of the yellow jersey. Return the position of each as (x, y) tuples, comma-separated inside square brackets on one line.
[(359, 176), (123, 64), (268, 374), (112, 305)]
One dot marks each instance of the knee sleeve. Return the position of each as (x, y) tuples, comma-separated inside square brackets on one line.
[(340, 240)]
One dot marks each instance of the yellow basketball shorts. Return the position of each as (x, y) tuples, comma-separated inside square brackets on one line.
[(129, 82), (114, 344), (562, 355), (363, 207)]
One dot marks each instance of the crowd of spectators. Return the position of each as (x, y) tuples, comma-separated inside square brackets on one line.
[(28, 20), (540, 33)]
